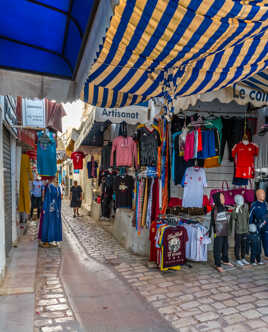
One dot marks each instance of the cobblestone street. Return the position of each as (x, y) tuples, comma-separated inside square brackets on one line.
[(193, 299)]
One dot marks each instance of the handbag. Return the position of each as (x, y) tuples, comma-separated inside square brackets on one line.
[(228, 193)]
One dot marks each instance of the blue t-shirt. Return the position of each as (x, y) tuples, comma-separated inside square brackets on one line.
[(46, 155), (37, 187)]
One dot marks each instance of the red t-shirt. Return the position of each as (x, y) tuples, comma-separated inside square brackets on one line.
[(244, 159), (77, 158), (244, 154), (174, 241)]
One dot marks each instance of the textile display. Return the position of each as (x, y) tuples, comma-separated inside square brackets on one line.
[(123, 188), (244, 155), (77, 158), (92, 167), (25, 176), (126, 152), (52, 225), (194, 183), (46, 153)]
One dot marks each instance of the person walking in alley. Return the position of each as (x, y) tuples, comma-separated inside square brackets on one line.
[(76, 198), (36, 196)]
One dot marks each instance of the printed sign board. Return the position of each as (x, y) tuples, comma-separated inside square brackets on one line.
[(130, 114), (33, 113)]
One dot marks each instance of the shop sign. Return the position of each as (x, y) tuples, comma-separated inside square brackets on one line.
[(33, 113), (10, 113), (250, 95), (130, 114)]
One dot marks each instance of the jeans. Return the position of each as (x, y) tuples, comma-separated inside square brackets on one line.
[(221, 250), (240, 243), (36, 203)]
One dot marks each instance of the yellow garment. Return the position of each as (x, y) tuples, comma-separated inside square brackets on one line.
[(26, 175)]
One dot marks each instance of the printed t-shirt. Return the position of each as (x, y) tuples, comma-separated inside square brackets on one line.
[(123, 187), (149, 141), (194, 183), (77, 158), (174, 241), (244, 159)]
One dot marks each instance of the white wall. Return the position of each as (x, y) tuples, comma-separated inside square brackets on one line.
[(2, 210)]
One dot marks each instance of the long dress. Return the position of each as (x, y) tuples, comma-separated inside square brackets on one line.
[(51, 223), (25, 176)]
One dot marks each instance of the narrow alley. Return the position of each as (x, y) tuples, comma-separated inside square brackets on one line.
[(93, 284)]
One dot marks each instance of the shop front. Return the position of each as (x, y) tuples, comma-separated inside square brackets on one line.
[(163, 173)]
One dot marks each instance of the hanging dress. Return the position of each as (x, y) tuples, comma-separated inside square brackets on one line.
[(25, 176), (51, 223)]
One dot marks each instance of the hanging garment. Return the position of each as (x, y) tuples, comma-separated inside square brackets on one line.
[(25, 176), (194, 183), (41, 217), (77, 158), (244, 155), (92, 167), (148, 142), (189, 146), (46, 154), (126, 152), (174, 242), (52, 226), (123, 188), (106, 157)]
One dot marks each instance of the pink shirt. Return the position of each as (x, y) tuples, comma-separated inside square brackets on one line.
[(189, 146), (126, 151)]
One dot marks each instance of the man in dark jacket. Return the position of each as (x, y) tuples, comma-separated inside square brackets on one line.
[(258, 215)]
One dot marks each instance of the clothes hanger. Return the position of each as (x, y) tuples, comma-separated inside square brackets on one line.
[(245, 139)]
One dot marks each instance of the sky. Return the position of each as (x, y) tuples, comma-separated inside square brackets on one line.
[(74, 112)]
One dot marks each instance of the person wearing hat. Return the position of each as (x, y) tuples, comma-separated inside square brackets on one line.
[(239, 217)]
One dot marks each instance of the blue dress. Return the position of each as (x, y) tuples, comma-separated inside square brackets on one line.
[(52, 227), (46, 155)]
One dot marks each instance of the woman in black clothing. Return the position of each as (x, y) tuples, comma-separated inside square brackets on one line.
[(76, 198), (220, 226)]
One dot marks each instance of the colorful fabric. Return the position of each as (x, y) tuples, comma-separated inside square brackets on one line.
[(25, 176)]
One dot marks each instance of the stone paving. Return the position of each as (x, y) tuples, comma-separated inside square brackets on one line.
[(53, 311), (193, 299)]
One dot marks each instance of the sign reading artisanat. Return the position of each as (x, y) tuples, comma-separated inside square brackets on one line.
[(130, 114), (33, 113)]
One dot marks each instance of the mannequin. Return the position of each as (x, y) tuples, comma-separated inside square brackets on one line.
[(239, 217), (259, 216), (52, 227)]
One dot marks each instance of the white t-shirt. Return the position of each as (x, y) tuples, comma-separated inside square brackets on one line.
[(194, 183)]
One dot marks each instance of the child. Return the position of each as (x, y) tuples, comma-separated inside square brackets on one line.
[(220, 225), (254, 241), (240, 217)]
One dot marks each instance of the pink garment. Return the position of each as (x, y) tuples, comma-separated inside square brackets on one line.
[(126, 151), (189, 146)]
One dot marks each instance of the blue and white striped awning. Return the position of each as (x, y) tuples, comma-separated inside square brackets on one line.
[(258, 81), (176, 48)]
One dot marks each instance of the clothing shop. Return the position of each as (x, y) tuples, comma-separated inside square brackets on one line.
[(158, 180)]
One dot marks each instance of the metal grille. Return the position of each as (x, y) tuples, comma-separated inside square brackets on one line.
[(7, 189)]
